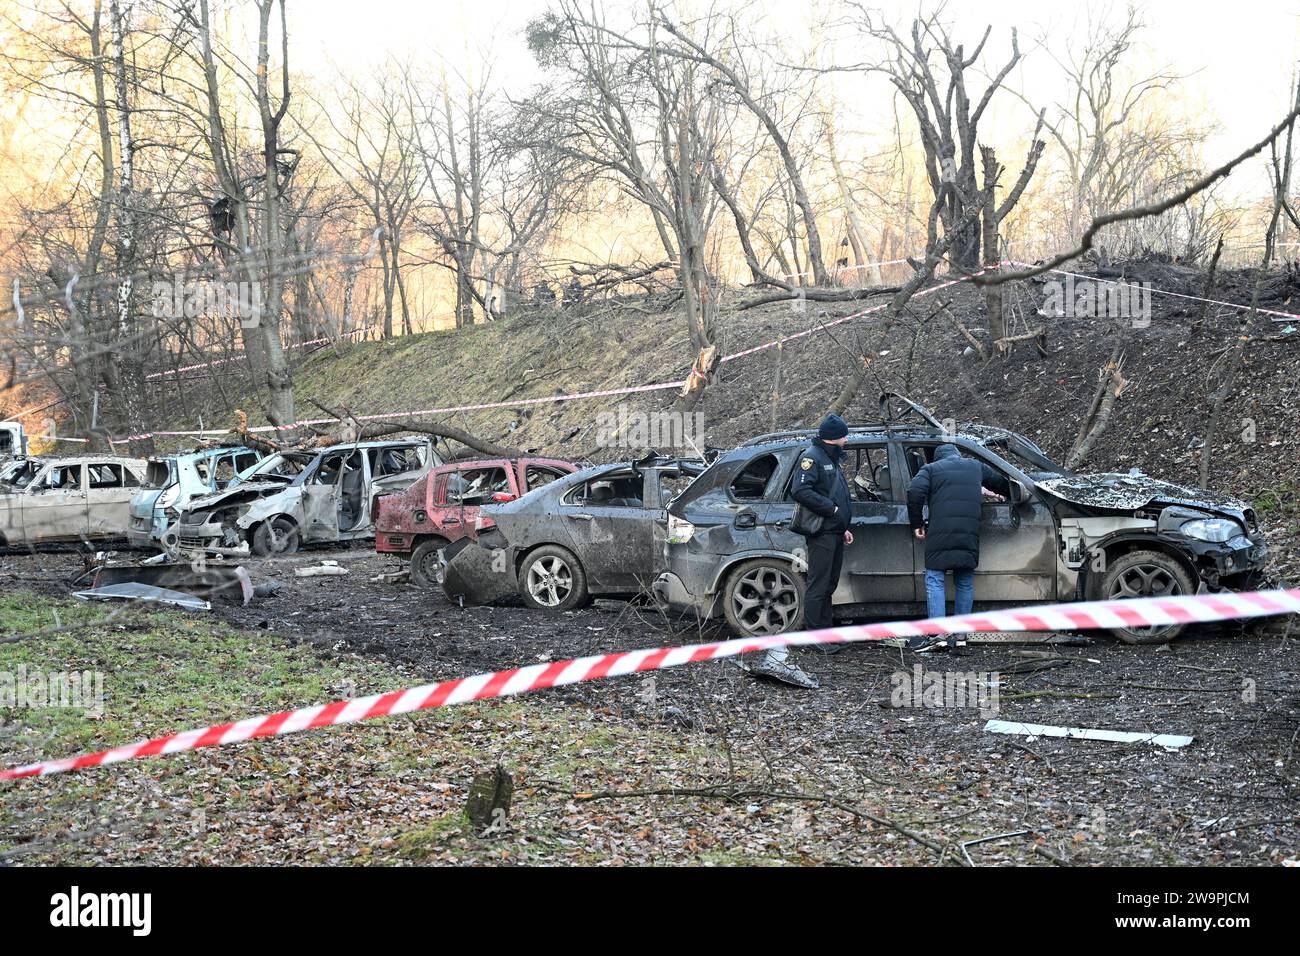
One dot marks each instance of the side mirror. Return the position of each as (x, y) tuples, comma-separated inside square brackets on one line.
[(1019, 493), (501, 497)]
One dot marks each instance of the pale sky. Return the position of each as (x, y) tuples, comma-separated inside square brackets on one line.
[(1239, 57)]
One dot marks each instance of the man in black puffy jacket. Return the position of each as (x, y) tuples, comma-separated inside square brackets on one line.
[(951, 488)]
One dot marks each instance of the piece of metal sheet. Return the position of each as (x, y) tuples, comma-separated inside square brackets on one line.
[(134, 591), (1169, 741)]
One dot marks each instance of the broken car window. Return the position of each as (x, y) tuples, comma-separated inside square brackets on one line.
[(618, 490), (63, 478), (23, 473), (476, 487), (104, 476), (753, 481), (867, 470), (538, 476), (159, 473), (394, 461)]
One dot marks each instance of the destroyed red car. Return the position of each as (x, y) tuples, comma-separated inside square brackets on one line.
[(443, 506)]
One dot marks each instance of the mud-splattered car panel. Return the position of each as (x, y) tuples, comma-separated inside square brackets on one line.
[(1051, 541), (611, 517)]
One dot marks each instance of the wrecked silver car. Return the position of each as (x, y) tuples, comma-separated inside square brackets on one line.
[(1058, 537), (67, 498), (292, 498)]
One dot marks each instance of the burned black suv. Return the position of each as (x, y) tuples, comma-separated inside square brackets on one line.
[(1058, 536)]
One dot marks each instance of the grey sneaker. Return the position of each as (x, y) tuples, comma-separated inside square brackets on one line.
[(929, 643)]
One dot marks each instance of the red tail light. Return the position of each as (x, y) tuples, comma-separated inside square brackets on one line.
[(501, 497)]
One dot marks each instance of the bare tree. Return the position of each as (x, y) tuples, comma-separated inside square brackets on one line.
[(921, 65)]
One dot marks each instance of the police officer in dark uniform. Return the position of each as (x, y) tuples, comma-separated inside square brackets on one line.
[(820, 486)]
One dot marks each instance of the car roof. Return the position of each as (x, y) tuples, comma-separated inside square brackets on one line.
[(80, 459), (867, 431), (395, 443), (482, 461)]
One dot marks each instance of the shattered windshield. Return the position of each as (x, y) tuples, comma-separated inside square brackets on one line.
[(282, 466)]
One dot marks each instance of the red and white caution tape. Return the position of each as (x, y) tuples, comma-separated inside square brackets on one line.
[(238, 358), (1140, 612)]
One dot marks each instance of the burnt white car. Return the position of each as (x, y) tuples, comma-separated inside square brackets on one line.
[(64, 499), (293, 498)]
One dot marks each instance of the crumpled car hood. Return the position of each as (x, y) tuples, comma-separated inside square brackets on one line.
[(248, 491), (1130, 492)]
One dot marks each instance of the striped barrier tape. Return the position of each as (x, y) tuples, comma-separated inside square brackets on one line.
[(324, 340), (1138, 612)]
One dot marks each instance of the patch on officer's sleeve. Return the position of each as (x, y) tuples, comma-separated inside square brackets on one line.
[(806, 464)]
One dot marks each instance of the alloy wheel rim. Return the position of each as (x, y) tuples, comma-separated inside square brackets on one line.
[(550, 581), (765, 600), (1145, 580)]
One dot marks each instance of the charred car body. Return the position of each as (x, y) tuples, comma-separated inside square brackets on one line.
[(597, 532), (445, 506), (1058, 537), (176, 480), (69, 498), (293, 498)]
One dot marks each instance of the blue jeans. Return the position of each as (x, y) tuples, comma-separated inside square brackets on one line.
[(963, 583)]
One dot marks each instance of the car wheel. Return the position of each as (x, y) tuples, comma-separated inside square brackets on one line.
[(277, 536), (552, 579), (763, 596), (426, 566), (1146, 574)]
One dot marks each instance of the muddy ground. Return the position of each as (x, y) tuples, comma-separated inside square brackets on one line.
[(1228, 798)]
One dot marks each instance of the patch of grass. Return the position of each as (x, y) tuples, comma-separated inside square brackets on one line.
[(422, 842), (390, 790)]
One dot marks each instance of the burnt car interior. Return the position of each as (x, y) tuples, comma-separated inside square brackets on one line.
[(226, 468), (110, 476), (618, 490), (63, 478), (752, 481), (475, 487), (393, 461), (345, 471)]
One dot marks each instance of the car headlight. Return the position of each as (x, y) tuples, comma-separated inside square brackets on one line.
[(168, 497), (679, 530), (1216, 530)]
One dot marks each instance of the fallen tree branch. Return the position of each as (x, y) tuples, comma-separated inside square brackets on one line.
[(366, 431), (1140, 212)]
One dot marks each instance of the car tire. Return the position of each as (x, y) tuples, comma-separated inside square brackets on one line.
[(1145, 574), (426, 569), (552, 579), (275, 536), (763, 596)]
